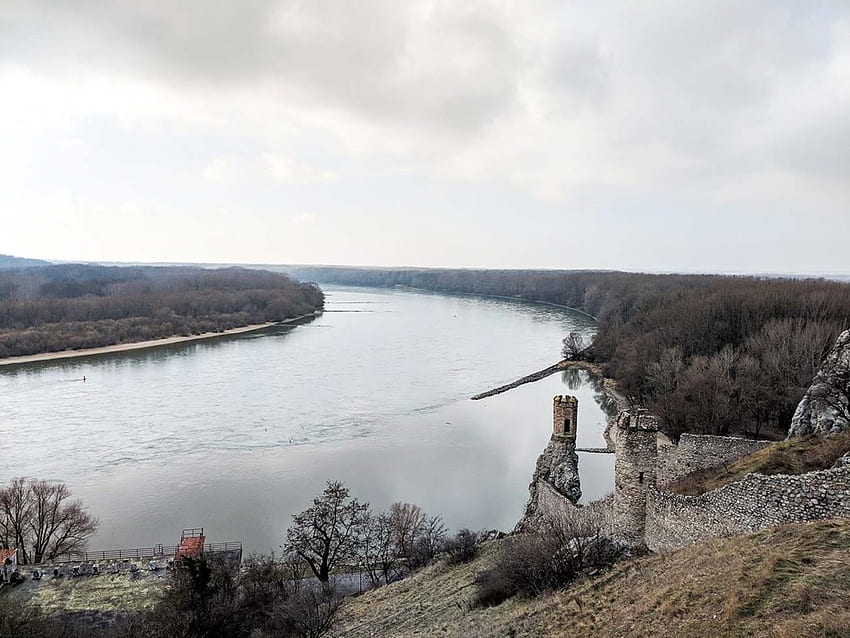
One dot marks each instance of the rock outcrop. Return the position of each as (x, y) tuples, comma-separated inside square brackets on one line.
[(825, 408), (555, 481)]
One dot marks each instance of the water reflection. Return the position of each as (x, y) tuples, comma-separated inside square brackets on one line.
[(238, 433)]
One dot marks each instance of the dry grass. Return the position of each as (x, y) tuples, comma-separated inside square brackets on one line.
[(104, 593), (793, 581), (794, 456)]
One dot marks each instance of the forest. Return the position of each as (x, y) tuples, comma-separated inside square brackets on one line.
[(708, 353), (70, 306)]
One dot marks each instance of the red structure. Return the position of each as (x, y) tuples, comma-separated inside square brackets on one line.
[(191, 543)]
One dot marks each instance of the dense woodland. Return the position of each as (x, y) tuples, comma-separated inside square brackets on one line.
[(708, 353), (68, 307)]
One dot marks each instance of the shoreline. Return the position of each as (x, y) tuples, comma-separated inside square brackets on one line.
[(150, 343)]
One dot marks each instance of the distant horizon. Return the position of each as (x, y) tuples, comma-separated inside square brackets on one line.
[(814, 274)]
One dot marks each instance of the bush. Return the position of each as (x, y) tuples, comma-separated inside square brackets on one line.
[(462, 547), (548, 558)]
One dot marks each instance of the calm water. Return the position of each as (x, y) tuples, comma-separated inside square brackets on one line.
[(238, 433)]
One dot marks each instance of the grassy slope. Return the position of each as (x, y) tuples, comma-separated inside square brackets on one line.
[(793, 581), (794, 456)]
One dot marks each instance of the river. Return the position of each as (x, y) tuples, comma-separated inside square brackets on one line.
[(238, 433)]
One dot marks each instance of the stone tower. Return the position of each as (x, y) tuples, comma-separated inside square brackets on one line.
[(564, 416), (635, 470)]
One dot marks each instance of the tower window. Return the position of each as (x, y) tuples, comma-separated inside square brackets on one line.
[(640, 478)]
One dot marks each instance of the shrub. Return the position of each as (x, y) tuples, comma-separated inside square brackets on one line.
[(550, 557), (462, 547)]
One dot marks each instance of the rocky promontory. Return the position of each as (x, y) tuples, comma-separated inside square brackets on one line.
[(825, 408)]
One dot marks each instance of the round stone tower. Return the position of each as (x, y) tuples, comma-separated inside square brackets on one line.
[(564, 416), (635, 470)]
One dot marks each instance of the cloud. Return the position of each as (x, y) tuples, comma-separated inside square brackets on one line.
[(287, 169), (578, 106), (303, 219)]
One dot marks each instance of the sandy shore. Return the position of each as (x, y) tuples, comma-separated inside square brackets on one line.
[(140, 345)]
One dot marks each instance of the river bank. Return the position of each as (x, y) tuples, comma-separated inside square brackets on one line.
[(151, 343)]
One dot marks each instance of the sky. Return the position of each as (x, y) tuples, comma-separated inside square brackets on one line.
[(655, 135)]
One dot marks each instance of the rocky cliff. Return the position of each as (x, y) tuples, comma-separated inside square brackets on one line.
[(555, 480), (825, 407)]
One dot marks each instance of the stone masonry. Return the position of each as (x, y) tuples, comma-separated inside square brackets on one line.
[(555, 484), (699, 451), (635, 471), (755, 502)]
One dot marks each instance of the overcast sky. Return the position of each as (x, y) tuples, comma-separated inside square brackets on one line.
[(711, 136)]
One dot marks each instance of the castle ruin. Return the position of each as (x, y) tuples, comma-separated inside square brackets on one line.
[(643, 512), (635, 472), (564, 416)]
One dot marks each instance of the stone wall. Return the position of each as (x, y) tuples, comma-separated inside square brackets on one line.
[(697, 451), (755, 502), (551, 503)]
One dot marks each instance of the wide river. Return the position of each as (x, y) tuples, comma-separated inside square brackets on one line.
[(238, 433)]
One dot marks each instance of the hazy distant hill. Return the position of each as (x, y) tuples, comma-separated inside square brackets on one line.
[(8, 261)]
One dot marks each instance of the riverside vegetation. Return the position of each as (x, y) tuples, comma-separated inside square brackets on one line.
[(71, 307), (709, 354)]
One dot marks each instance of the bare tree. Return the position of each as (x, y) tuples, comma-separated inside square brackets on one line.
[(378, 551), (41, 520), (574, 346), (407, 521), (329, 532), (429, 543)]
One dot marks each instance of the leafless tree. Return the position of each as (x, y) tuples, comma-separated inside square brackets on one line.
[(378, 551), (407, 522), (574, 346), (42, 521), (329, 532), (430, 542)]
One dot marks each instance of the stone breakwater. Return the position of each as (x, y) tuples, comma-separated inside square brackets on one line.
[(674, 521)]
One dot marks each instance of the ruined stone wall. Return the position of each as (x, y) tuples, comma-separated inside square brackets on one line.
[(551, 503), (755, 502), (697, 451)]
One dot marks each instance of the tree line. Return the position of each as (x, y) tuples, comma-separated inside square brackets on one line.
[(709, 353), (68, 307)]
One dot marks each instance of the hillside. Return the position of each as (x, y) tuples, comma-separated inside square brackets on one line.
[(8, 262), (792, 581)]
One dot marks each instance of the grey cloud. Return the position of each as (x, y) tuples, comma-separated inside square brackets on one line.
[(357, 56), (707, 82)]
